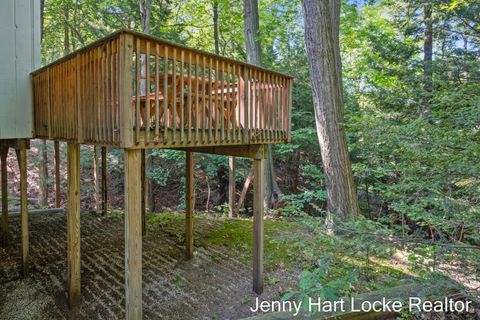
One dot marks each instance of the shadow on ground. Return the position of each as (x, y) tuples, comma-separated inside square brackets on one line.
[(216, 284)]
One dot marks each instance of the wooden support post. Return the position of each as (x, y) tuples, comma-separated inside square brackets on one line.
[(22, 164), (58, 195), (104, 181), (133, 234), (144, 188), (258, 194), (190, 204), (3, 158), (95, 178), (231, 187), (73, 223)]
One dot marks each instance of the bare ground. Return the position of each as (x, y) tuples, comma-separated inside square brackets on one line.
[(216, 284)]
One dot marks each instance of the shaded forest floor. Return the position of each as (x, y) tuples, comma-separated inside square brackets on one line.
[(216, 284)]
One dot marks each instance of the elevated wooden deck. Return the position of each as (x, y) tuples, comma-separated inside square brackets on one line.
[(135, 91)]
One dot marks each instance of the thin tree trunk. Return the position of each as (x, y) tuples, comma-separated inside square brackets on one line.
[(43, 174), (215, 26), (272, 192), (66, 34), (323, 55), (145, 7), (427, 58)]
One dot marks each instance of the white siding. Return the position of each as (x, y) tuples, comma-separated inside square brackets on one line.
[(19, 55)]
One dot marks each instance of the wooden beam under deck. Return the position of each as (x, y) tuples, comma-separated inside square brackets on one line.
[(258, 151)]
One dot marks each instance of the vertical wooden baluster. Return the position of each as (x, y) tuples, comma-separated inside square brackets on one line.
[(116, 64), (157, 88), (280, 106), (258, 108), (174, 95), (217, 109), (274, 111), (239, 88), (182, 95), (222, 104), (232, 93), (290, 87), (253, 103), (138, 57), (79, 96), (103, 105), (204, 89), (246, 103), (210, 97), (113, 84), (266, 106), (196, 97), (95, 76), (147, 93), (227, 101), (275, 107), (269, 106), (108, 97), (189, 98), (165, 93)]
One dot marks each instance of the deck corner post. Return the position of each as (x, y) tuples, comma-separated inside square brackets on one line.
[(73, 224), (258, 211), (126, 92), (190, 203), (133, 234), (22, 164)]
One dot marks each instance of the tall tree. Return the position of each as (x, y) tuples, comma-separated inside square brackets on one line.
[(322, 21), (427, 56), (254, 56)]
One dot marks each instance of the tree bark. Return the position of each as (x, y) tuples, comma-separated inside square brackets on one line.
[(145, 6), (254, 55), (66, 34), (323, 53), (427, 58), (215, 26)]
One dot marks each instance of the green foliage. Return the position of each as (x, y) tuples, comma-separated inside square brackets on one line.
[(318, 283)]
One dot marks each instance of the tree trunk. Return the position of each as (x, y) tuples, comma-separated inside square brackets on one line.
[(272, 192), (145, 7), (323, 53), (215, 26), (427, 58), (66, 34)]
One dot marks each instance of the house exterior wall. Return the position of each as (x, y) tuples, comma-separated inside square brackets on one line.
[(19, 55)]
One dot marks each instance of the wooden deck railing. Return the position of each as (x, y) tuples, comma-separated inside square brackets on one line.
[(132, 90)]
